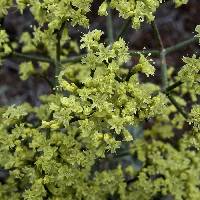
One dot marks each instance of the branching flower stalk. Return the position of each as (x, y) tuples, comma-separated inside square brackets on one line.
[(78, 58), (173, 86), (164, 77), (178, 107), (30, 57)]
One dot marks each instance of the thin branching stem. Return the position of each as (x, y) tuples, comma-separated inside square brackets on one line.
[(31, 57), (153, 52), (144, 52), (73, 59), (173, 86), (157, 34), (109, 23), (178, 107), (164, 77), (169, 89), (181, 45)]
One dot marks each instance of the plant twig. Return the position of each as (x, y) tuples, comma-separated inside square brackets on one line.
[(73, 59), (164, 78), (178, 107), (181, 45), (168, 50), (144, 52), (173, 86), (168, 89), (110, 26), (32, 57), (157, 34)]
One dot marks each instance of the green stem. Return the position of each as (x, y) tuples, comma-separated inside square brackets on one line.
[(181, 45), (144, 52), (73, 59), (178, 107), (164, 77), (157, 34), (168, 89), (32, 57), (173, 86), (110, 26)]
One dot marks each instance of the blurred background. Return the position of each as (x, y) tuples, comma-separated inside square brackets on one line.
[(175, 25)]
